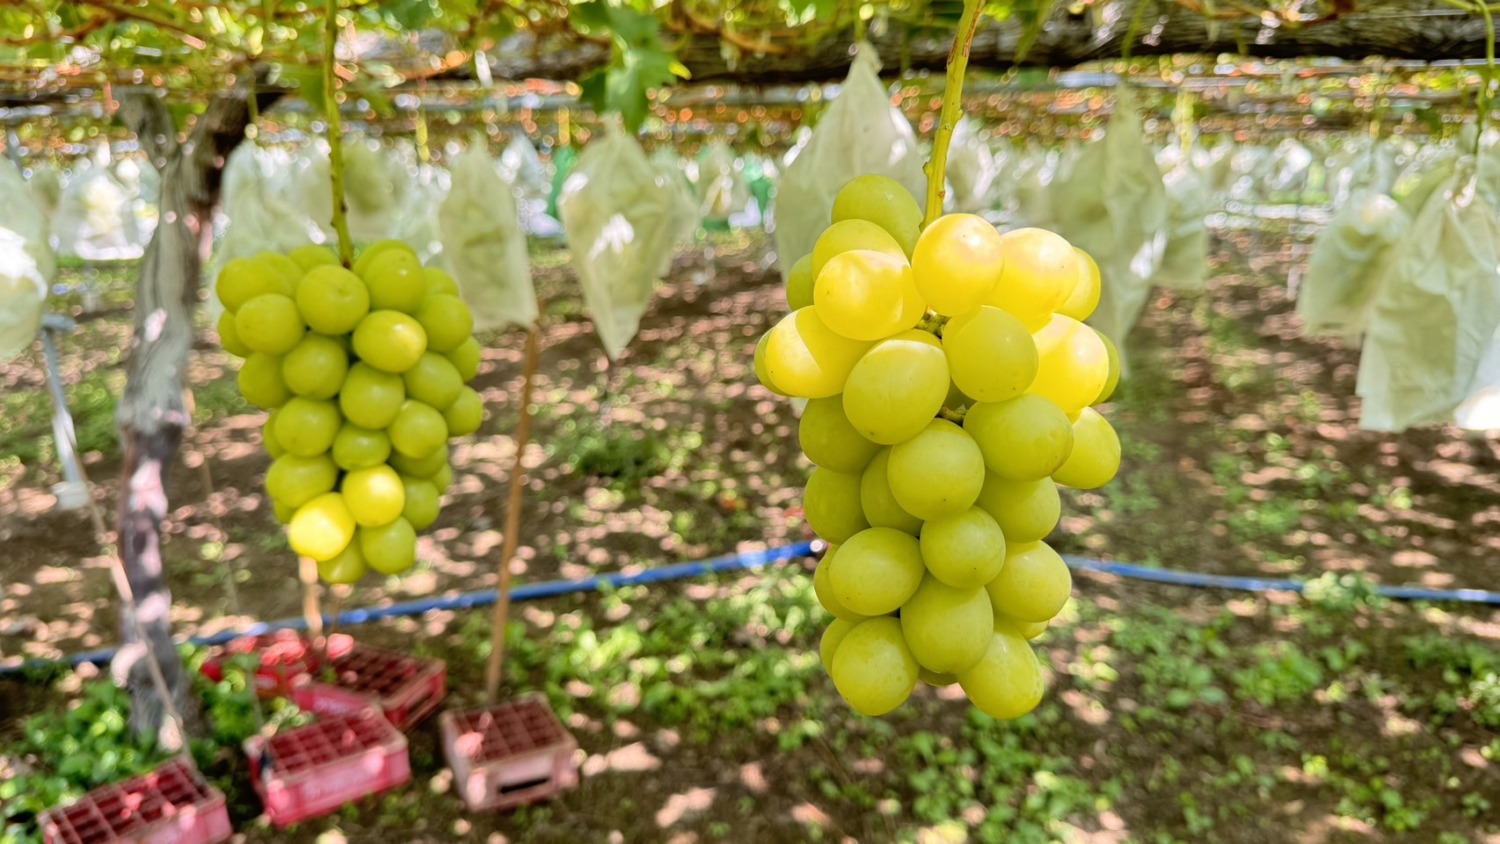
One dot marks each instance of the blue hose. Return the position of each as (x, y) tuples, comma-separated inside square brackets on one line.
[(469, 600), (749, 560), (1262, 584)]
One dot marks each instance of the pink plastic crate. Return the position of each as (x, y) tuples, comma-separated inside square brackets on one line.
[(170, 805), (285, 656), (510, 754), (307, 772), (405, 688)]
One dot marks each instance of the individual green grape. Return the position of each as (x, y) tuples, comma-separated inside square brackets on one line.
[(873, 669), (936, 473), (933, 678), (806, 358), (1025, 510), (991, 355), (1095, 457), (964, 550), (1040, 270), (1113, 380), (315, 367), (848, 235), (1033, 585), (293, 480), (829, 440), (1007, 682), (867, 295), (1023, 439), (877, 501), (799, 284), (957, 263), (897, 387), (831, 505), (947, 629), (1072, 364), (833, 636), (823, 588), (876, 571), (762, 374), (884, 202), (1083, 299)]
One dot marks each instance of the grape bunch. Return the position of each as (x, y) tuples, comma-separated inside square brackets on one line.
[(365, 373), (951, 384)]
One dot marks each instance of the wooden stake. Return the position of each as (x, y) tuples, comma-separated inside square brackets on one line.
[(492, 674), (307, 572)]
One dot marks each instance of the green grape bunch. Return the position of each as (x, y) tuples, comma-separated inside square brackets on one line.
[(365, 373), (951, 386)]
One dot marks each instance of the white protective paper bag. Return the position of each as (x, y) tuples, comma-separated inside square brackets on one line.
[(622, 222)]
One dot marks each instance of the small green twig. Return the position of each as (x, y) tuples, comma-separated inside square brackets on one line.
[(953, 89)]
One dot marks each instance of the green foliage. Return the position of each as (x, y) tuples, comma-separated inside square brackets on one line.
[(624, 454), (26, 419), (1278, 673), (638, 60), (699, 664), (68, 753), (65, 754)]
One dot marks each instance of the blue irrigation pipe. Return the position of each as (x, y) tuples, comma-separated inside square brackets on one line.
[(1263, 584), (752, 560), (469, 600)]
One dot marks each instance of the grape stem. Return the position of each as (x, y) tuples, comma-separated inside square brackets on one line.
[(335, 136), (492, 673), (952, 415), (953, 89)]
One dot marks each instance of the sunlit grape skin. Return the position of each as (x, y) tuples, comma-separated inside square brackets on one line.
[(897, 387), (884, 202), (1072, 364), (866, 295), (1007, 681), (1033, 585), (991, 355), (936, 473), (873, 668), (957, 263), (947, 629), (1095, 457), (1040, 270), (876, 571), (1024, 439), (805, 358), (831, 505), (829, 440)]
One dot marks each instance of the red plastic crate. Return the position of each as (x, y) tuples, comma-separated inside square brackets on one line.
[(285, 656), (405, 688), (170, 805), (506, 755), (309, 771)]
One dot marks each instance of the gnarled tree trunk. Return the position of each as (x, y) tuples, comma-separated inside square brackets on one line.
[(1423, 30), (153, 414)]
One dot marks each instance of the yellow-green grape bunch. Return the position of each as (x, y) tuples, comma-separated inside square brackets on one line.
[(951, 384), (365, 375)]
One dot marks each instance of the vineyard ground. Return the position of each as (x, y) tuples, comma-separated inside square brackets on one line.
[(1174, 715)]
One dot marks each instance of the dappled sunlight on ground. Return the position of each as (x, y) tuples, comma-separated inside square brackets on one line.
[(701, 708)]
